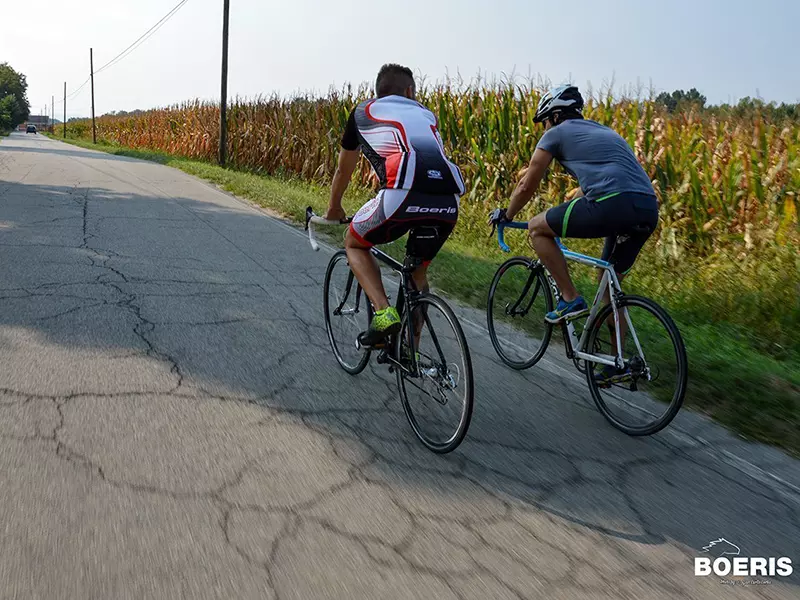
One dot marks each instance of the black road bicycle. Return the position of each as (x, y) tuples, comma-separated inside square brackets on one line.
[(429, 355)]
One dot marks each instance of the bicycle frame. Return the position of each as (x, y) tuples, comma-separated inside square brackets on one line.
[(576, 347), (407, 294), (407, 288)]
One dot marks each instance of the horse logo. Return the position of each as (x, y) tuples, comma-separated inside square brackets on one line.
[(722, 547)]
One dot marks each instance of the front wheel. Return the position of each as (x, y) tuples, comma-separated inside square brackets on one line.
[(519, 298), (435, 380), (645, 396)]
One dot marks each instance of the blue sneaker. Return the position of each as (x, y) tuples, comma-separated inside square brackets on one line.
[(567, 310)]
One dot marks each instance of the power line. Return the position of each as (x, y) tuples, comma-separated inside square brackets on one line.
[(139, 41), (143, 38), (80, 87)]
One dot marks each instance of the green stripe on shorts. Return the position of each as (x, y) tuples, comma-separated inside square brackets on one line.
[(566, 217), (608, 196)]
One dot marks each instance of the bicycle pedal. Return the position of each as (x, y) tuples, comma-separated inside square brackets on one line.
[(360, 345)]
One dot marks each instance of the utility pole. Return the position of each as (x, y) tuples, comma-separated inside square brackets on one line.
[(223, 106), (91, 75), (53, 111), (65, 110)]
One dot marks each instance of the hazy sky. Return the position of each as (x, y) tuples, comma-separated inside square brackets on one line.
[(726, 48)]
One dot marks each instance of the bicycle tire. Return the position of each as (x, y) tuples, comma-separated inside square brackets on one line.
[(544, 286), (360, 365), (466, 412), (681, 360)]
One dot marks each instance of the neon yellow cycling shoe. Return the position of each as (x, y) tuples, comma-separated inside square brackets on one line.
[(384, 323)]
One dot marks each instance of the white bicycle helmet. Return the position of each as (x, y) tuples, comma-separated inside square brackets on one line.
[(563, 98)]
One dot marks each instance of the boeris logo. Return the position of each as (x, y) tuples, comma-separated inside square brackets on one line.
[(724, 559), (431, 209)]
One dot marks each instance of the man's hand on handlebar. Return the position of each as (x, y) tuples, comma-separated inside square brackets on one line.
[(498, 215)]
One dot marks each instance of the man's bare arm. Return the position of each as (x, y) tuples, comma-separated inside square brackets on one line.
[(530, 181), (348, 161)]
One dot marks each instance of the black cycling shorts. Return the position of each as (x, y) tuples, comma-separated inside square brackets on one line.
[(393, 213), (626, 221)]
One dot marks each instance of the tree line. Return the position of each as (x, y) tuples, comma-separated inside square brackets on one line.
[(681, 100)]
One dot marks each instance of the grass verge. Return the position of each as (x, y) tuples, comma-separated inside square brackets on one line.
[(754, 392)]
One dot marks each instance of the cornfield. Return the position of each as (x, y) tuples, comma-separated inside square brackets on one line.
[(720, 180), (728, 183)]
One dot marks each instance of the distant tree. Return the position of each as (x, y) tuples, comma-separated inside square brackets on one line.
[(668, 101), (788, 111), (680, 98), (123, 113), (748, 103), (749, 107), (14, 106), (695, 97), (8, 107)]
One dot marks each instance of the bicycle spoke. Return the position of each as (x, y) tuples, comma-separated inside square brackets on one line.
[(424, 391)]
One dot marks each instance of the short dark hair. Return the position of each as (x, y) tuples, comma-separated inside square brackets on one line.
[(393, 80), (568, 114)]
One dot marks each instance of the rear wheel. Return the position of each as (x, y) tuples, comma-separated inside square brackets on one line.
[(436, 385), (347, 313), (649, 393), (519, 298)]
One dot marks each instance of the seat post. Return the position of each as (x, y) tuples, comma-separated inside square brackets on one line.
[(410, 263)]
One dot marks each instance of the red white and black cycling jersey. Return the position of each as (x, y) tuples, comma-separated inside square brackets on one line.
[(399, 137)]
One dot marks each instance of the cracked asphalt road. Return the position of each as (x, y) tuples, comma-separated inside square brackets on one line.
[(173, 425)]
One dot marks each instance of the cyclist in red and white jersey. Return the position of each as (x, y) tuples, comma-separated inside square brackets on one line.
[(419, 187)]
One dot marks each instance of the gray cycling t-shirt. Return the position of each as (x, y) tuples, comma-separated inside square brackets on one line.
[(598, 157)]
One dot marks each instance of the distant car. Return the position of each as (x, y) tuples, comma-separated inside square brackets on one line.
[(30, 129)]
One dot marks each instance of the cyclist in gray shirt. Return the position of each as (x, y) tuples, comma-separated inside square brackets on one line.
[(617, 201)]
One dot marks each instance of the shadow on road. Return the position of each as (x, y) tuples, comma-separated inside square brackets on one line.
[(197, 298)]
